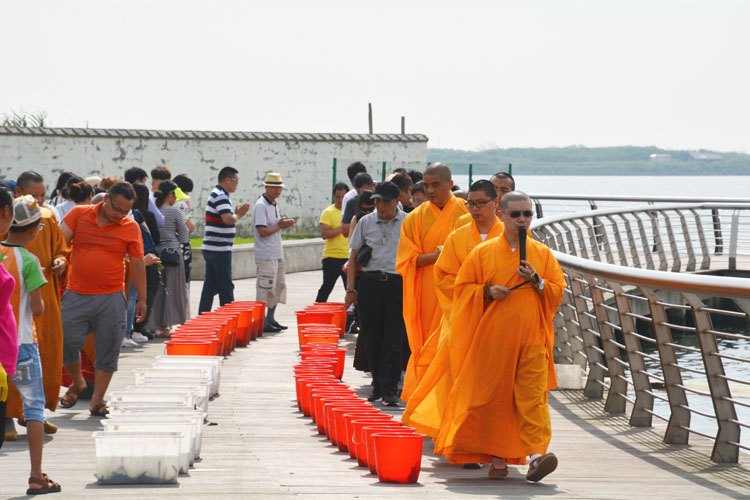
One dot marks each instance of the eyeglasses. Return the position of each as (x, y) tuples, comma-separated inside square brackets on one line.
[(117, 209), (236, 180), (515, 214), (478, 204)]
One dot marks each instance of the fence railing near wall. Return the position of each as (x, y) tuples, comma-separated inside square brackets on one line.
[(666, 345)]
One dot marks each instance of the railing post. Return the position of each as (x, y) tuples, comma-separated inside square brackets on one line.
[(726, 415), (618, 242), (733, 236), (658, 244), (538, 205), (690, 267), (573, 328), (718, 239), (676, 261), (679, 420), (618, 385), (644, 241), (594, 383), (644, 402), (706, 260), (631, 242)]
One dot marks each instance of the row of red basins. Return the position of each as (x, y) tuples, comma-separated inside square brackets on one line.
[(371, 436), (219, 332)]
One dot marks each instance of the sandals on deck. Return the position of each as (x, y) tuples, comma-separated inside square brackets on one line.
[(71, 396), (99, 410), (47, 486)]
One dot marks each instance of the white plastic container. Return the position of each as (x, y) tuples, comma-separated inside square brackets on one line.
[(184, 399), (137, 457), (150, 412), (175, 373), (200, 387), (185, 426), (201, 361)]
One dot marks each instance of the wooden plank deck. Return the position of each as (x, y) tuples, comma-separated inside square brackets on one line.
[(258, 445)]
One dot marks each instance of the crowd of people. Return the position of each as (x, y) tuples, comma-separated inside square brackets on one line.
[(101, 264), (453, 308)]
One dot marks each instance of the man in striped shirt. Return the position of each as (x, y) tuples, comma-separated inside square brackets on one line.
[(218, 240)]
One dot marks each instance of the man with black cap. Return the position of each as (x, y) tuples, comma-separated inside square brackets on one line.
[(374, 244)]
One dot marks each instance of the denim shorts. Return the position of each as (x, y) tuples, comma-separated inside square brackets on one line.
[(28, 381)]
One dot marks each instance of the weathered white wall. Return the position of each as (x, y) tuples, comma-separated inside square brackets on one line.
[(306, 165)]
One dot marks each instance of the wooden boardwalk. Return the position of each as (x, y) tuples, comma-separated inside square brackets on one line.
[(258, 445)]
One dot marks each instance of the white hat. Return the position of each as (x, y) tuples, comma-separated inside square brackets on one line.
[(25, 211)]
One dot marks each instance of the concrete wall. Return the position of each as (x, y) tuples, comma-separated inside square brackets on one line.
[(304, 160), (299, 255)]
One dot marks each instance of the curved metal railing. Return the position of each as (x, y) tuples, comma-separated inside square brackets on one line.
[(661, 339)]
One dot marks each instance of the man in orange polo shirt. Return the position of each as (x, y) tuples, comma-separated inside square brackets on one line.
[(101, 235)]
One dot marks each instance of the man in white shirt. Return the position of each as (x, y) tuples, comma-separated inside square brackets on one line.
[(270, 283)]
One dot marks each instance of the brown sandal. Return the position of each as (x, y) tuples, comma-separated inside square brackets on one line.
[(99, 410), (47, 486), (71, 396)]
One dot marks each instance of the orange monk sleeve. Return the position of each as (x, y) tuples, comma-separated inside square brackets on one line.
[(445, 269)]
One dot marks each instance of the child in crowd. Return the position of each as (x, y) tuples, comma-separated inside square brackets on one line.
[(26, 301)]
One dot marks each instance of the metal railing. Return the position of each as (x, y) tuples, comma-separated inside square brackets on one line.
[(671, 345)]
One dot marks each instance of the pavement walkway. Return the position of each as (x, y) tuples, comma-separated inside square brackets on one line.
[(258, 445)]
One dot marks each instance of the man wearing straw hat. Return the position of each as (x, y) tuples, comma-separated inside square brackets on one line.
[(270, 282)]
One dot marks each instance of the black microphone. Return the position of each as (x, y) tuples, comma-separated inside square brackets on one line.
[(522, 244)]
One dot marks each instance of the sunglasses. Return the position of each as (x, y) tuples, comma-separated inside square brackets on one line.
[(477, 204), (515, 214), (367, 210)]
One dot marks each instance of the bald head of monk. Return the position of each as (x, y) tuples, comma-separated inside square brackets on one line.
[(438, 183), (516, 214)]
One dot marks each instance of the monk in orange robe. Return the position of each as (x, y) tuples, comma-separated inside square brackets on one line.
[(50, 248), (424, 410), (504, 183), (501, 343), (423, 233)]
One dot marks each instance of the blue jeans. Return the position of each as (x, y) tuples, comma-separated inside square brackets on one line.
[(28, 380), (132, 299), (218, 280)]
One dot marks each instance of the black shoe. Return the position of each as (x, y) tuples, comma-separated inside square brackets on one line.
[(270, 328), (146, 333), (278, 325), (391, 401), (373, 397), (472, 466)]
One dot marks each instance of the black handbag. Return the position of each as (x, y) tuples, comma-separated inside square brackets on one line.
[(170, 257), (364, 255)]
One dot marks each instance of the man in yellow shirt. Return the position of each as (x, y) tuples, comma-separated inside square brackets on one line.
[(336, 250)]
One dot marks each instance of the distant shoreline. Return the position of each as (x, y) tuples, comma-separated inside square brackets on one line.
[(606, 161)]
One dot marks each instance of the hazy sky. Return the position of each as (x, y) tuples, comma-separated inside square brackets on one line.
[(468, 74)]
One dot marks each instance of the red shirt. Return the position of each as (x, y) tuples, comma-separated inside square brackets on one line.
[(96, 263)]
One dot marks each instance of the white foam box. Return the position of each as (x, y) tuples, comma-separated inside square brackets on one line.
[(137, 457), (185, 426), (176, 372), (150, 412)]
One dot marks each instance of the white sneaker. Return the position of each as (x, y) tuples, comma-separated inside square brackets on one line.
[(139, 337), (126, 342)]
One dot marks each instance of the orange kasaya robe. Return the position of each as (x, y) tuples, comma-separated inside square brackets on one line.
[(500, 357), (423, 230), (424, 410), (47, 246)]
